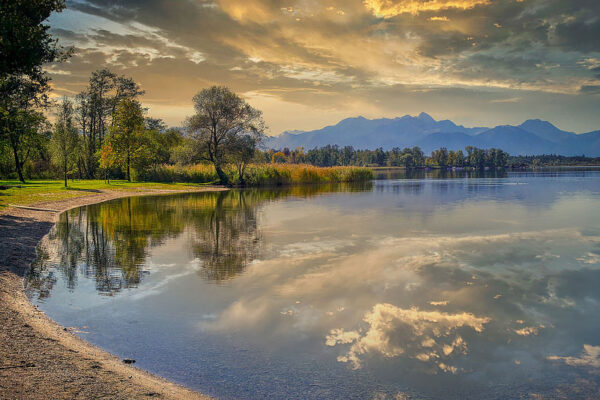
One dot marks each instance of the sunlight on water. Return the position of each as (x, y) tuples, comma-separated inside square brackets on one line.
[(444, 286)]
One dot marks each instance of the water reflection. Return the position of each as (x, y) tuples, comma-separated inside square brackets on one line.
[(109, 243), (419, 288), (445, 173)]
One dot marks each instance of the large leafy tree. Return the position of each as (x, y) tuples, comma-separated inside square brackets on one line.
[(127, 139), (95, 108), (25, 46), (221, 118), (26, 132), (65, 138)]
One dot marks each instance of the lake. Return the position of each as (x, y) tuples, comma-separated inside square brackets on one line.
[(449, 285)]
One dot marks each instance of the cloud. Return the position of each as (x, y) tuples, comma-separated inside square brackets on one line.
[(393, 331), (529, 330), (341, 58), (590, 89), (392, 8), (589, 358)]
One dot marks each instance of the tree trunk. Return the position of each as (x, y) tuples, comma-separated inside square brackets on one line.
[(65, 171), (128, 170), (222, 177), (241, 170), (18, 164)]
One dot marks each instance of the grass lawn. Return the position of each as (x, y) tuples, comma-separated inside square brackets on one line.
[(37, 191)]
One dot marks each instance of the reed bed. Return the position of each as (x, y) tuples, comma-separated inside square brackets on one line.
[(258, 174)]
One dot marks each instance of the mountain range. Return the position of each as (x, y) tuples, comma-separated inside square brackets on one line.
[(532, 137)]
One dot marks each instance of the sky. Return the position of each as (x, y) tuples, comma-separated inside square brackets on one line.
[(307, 63)]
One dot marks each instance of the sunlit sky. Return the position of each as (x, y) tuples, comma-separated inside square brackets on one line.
[(308, 63)]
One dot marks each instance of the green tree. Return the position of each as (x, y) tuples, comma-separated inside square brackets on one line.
[(440, 157), (26, 130), (459, 158), (25, 46), (241, 151), (95, 107), (221, 117), (126, 139), (65, 138)]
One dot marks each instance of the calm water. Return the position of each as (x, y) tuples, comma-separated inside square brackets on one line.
[(435, 287)]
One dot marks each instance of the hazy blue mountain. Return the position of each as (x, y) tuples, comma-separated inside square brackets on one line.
[(546, 130), (450, 140), (533, 136), (515, 140)]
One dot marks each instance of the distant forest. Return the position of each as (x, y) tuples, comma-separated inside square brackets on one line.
[(471, 157), (414, 157)]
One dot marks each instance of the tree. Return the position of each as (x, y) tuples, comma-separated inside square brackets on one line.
[(126, 140), (241, 151), (159, 145), (440, 157), (96, 106), (26, 129), (221, 117), (65, 138), (25, 46)]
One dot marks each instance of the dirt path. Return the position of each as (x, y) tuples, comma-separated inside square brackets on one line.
[(38, 358)]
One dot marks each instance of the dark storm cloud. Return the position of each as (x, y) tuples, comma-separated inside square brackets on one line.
[(590, 89)]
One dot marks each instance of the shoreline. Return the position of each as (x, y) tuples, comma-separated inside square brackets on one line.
[(40, 359)]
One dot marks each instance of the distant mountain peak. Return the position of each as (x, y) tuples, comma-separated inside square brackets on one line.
[(426, 117), (533, 136), (545, 130), (538, 122)]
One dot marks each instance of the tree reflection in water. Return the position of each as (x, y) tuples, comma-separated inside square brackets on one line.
[(109, 242)]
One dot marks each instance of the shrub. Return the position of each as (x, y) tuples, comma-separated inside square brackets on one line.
[(258, 174)]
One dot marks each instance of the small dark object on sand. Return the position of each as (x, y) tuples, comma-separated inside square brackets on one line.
[(128, 361)]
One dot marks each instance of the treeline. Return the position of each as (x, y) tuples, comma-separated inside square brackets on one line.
[(551, 160), (103, 132), (332, 155)]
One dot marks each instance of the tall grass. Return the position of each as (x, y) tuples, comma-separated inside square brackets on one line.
[(258, 174), (200, 173)]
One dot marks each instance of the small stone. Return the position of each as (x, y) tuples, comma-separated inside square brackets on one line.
[(128, 361)]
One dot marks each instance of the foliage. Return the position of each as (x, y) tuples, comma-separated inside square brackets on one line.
[(26, 135), (25, 46), (199, 173), (26, 43), (127, 142), (65, 139), (332, 155), (96, 106), (221, 118), (546, 160), (258, 174)]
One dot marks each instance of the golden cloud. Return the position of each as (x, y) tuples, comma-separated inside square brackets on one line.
[(590, 357), (248, 11), (393, 331), (391, 8)]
